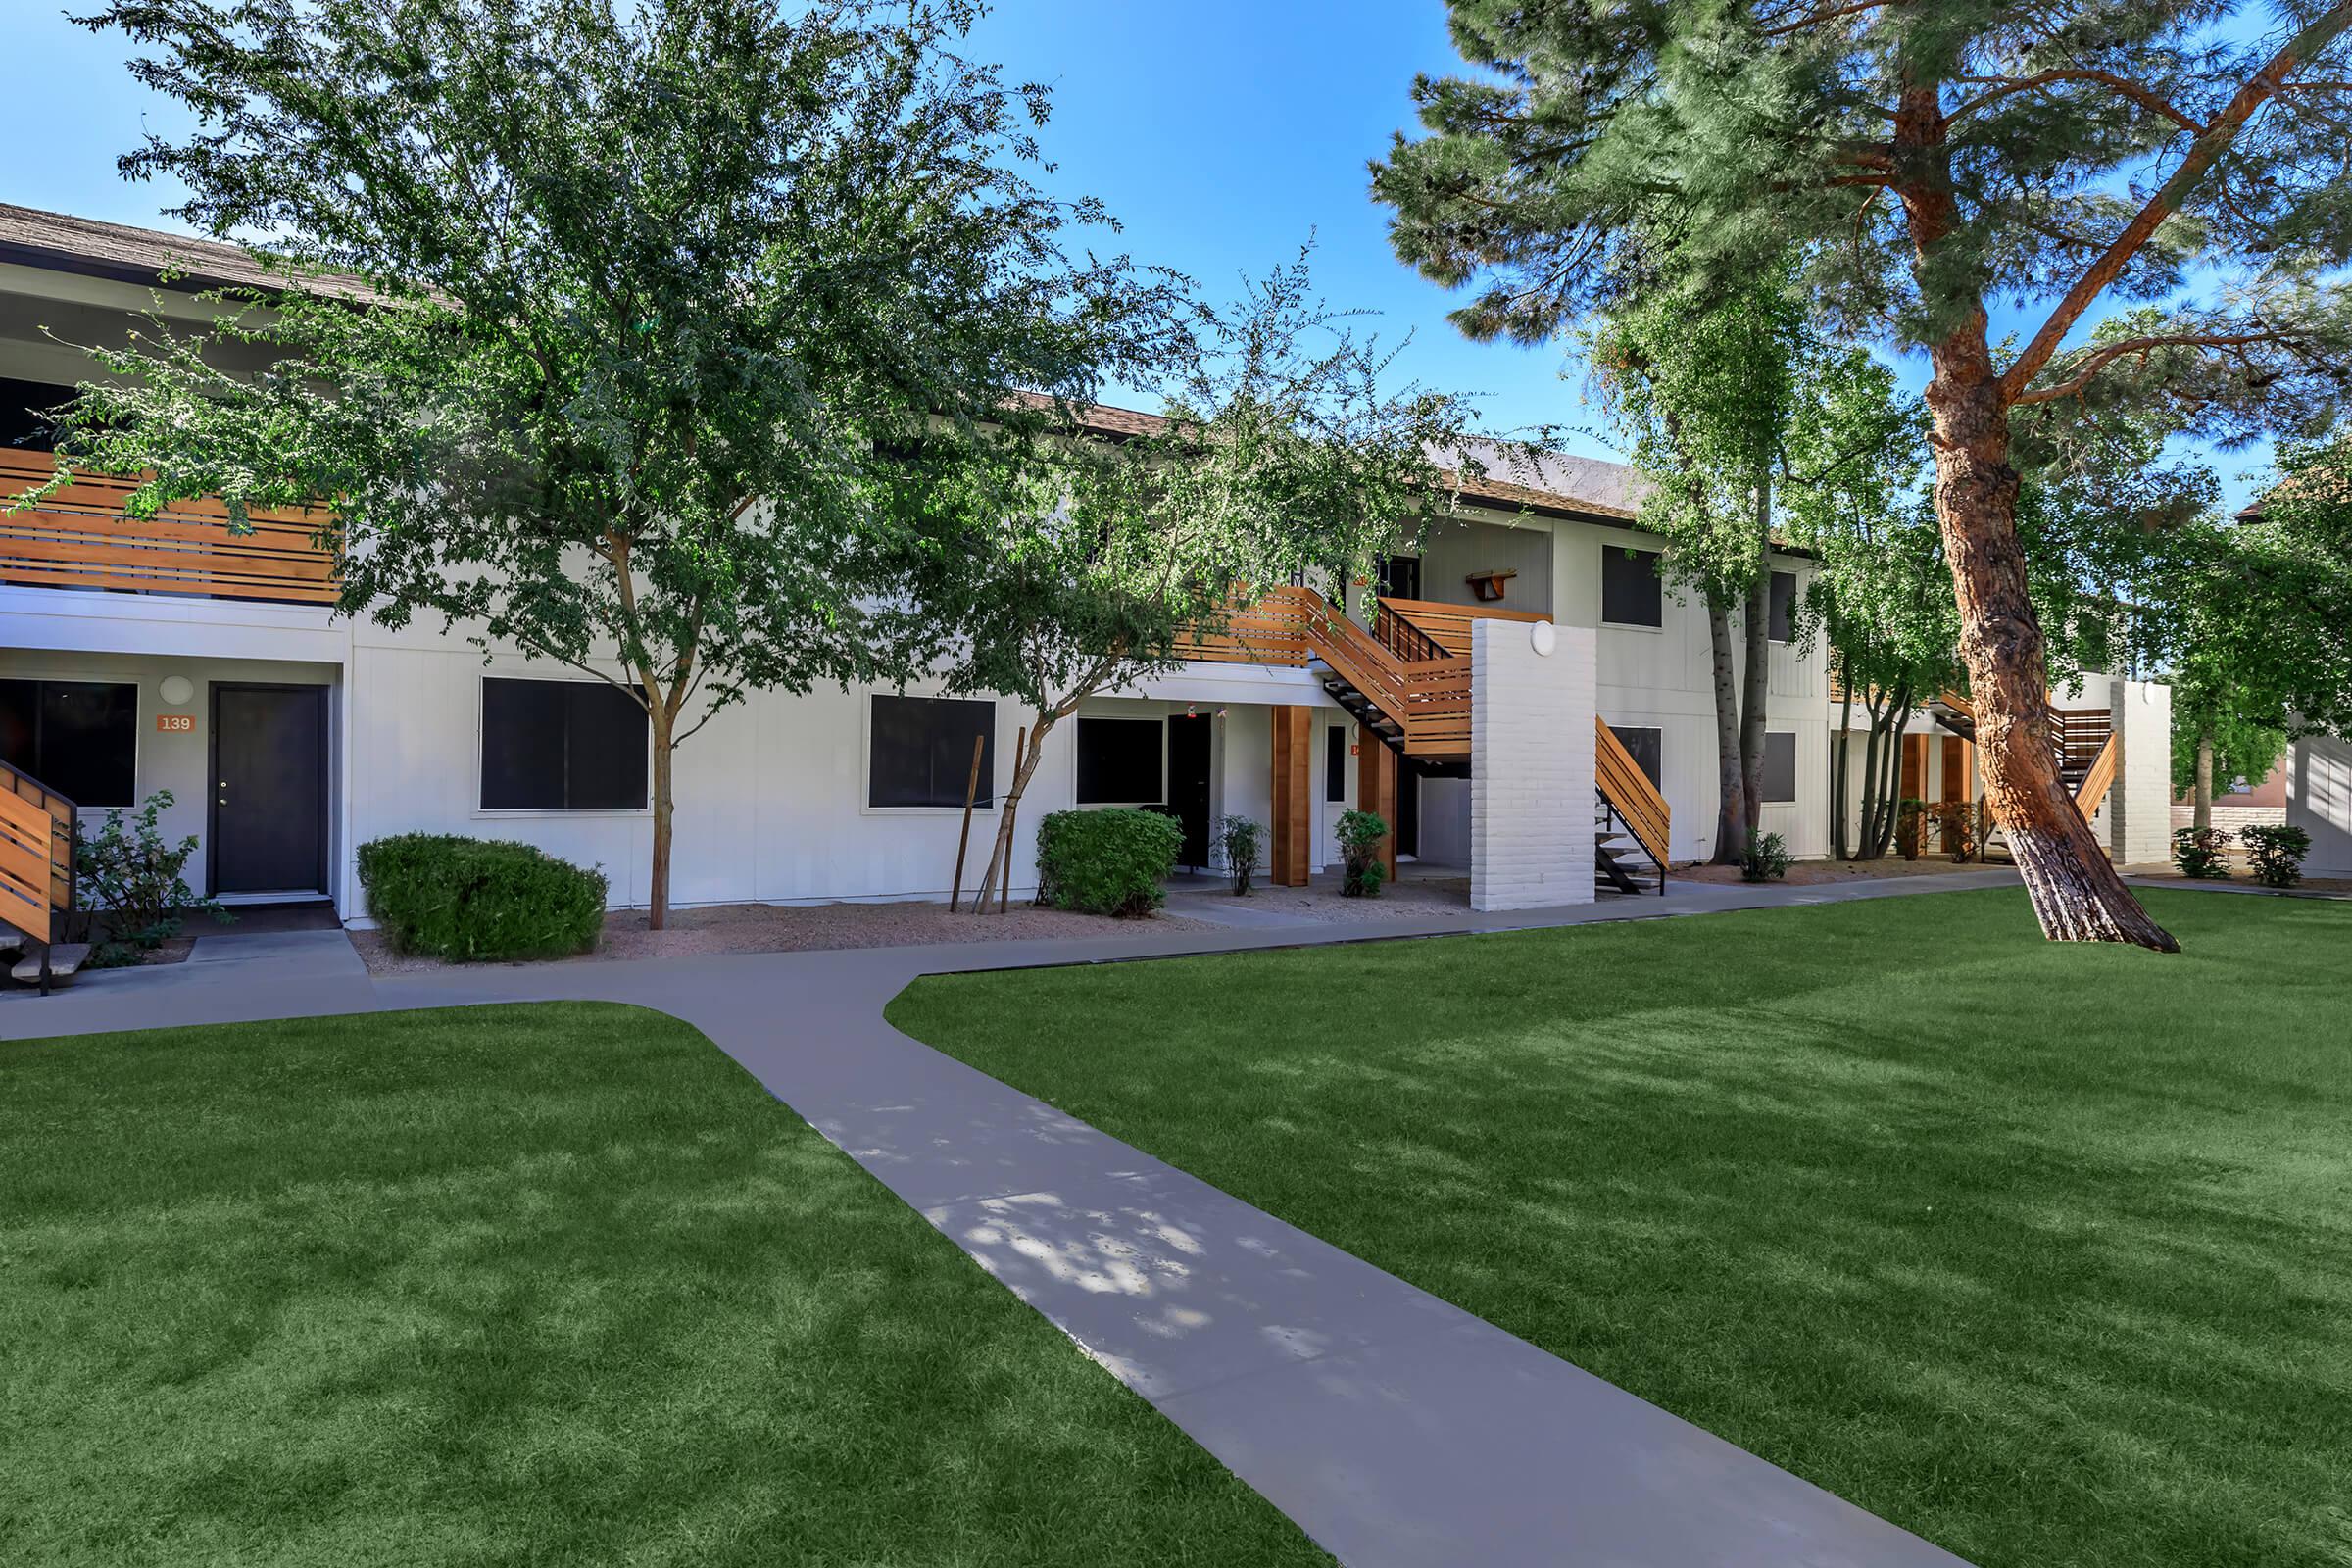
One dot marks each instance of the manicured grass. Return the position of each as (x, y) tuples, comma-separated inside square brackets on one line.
[(551, 1284), (2042, 1252)]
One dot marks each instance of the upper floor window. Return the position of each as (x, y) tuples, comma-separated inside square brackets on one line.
[(563, 746), (26, 410), (78, 737), (920, 751), (1784, 607), (1630, 594), (1780, 767)]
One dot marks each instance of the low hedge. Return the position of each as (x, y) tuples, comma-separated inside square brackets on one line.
[(475, 900), (1106, 862)]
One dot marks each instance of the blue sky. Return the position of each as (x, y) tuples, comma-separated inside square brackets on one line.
[(1223, 135)]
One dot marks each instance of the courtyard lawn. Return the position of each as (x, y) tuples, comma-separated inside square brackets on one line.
[(2044, 1253), (554, 1284)]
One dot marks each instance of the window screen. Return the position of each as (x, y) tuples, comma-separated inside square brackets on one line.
[(1335, 762), (562, 746), (1780, 765), (1784, 607), (1630, 591), (1647, 748), (1118, 762), (920, 751), (79, 737)]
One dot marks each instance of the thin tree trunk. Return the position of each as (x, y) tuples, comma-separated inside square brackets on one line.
[(1867, 841), (1025, 760), (1753, 702), (1732, 819), (2201, 803), (1841, 766), (664, 811)]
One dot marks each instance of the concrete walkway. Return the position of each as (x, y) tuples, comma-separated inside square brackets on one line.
[(1396, 1429)]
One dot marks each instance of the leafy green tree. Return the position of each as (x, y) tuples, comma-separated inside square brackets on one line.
[(1931, 160), (1097, 549), (646, 337)]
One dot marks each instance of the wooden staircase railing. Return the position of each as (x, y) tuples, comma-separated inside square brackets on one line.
[(37, 829), (1632, 796), (2098, 779), (81, 537)]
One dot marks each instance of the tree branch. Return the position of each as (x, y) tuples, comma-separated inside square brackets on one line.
[(2211, 142), (2123, 86), (2108, 353), (1831, 14)]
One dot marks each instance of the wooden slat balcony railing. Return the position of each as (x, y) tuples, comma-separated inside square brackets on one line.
[(1448, 625), (1637, 801), (2098, 779), (81, 537), (37, 854)]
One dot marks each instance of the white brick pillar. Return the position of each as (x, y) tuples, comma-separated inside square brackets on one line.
[(1532, 704), (2139, 805)]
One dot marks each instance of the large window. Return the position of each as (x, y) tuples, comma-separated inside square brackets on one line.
[(1784, 607), (79, 737), (1646, 746), (562, 746), (1780, 765), (1119, 761), (920, 751), (1630, 594)]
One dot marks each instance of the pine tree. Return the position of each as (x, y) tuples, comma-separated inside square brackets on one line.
[(1932, 159)]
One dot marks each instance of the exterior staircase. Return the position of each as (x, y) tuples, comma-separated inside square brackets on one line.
[(1407, 681), (36, 878)]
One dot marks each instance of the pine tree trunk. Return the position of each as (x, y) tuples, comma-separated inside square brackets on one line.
[(2201, 803), (664, 811), (1730, 816), (1754, 700), (2076, 892), (1000, 854)]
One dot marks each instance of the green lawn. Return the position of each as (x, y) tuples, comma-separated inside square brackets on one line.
[(551, 1284), (2042, 1252)]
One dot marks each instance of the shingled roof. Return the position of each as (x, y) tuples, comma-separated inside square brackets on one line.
[(59, 242)]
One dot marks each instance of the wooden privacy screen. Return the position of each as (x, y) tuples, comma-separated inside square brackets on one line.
[(81, 538)]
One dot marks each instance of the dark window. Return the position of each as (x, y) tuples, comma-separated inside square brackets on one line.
[(1630, 594), (79, 737), (1647, 748), (1118, 762), (1400, 576), (920, 751), (25, 408), (1335, 762), (1780, 765), (1784, 607), (562, 746)]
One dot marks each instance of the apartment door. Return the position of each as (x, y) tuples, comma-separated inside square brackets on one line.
[(1188, 783), (269, 808)]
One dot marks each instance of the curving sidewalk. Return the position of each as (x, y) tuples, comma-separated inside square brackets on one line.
[(1396, 1429)]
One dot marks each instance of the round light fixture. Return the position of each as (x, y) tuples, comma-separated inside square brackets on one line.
[(1544, 637), (177, 689)]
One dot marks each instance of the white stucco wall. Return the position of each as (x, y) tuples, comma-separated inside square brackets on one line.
[(1531, 766), (2318, 800)]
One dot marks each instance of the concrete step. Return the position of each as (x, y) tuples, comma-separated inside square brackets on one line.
[(65, 959)]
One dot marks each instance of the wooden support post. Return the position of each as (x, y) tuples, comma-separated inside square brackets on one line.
[(963, 841), (1954, 787), (1294, 812), (1376, 790)]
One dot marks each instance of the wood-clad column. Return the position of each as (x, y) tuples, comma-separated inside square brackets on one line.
[(1376, 790), (1294, 801), (1954, 784)]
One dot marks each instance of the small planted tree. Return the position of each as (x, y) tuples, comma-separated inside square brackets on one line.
[(1097, 549), (644, 339)]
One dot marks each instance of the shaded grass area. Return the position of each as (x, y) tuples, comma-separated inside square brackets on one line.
[(2044, 1253), (554, 1284)]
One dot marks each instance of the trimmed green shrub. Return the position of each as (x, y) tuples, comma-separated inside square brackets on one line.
[(129, 886), (1109, 862), (2276, 851), (2202, 853), (481, 899), (1359, 834), (1767, 858)]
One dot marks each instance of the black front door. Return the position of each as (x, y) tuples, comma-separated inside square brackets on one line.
[(1408, 810), (268, 789), (1188, 784)]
